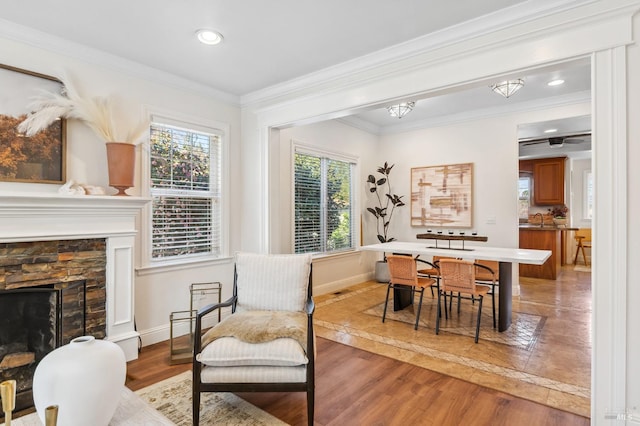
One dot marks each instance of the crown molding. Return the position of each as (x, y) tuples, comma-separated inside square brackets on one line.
[(360, 124), (474, 28), (41, 40)]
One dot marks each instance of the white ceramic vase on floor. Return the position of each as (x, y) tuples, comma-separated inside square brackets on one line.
[(84, 379), (382, 272)]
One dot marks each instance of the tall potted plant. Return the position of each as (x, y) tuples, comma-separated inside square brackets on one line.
[(385, 206), (97, 113)]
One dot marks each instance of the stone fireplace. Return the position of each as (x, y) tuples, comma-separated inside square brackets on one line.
[(50, 293), (66, 269)]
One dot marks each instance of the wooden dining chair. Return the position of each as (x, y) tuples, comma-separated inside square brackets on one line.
[(404, 277), (459, 276), (583, 241)]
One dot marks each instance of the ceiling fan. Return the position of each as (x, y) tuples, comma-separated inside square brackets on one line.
[(556, 141)]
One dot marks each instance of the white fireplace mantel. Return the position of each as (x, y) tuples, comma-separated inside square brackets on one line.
[(47, 217)]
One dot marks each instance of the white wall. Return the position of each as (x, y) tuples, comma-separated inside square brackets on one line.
[(577, 195), (157, 292), (578, 167)]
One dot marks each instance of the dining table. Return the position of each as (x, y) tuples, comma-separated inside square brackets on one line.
[(506, 257)]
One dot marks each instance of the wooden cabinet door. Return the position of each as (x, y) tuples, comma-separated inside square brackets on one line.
[(541, 240), (548, 178), (526, 166)]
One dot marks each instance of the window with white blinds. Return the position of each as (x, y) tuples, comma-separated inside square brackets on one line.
[(324, 216), (186, 190)]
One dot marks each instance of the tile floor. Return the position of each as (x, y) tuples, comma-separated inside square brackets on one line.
[(545, 356)]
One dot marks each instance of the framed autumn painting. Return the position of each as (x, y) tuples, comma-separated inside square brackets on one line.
[(41, 157)]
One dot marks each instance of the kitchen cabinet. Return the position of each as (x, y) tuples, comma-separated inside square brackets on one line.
[(541, 239), (548, 179), (526, 167)]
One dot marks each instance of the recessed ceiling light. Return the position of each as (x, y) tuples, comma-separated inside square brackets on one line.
[(557, 82), (209, 36), (551, 130)]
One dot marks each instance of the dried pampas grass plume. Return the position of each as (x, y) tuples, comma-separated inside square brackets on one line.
[(96, 112)]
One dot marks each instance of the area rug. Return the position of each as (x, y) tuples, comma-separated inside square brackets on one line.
[(523, 333), (172, 398)]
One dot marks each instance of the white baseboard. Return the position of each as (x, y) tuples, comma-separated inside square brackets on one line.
[(334, 286), (163, 332)]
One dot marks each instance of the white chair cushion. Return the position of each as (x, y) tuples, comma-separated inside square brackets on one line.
[(229, 351), (272, 282), (254, 374)]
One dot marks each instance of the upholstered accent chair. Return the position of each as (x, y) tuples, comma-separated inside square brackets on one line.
[(267, 344)]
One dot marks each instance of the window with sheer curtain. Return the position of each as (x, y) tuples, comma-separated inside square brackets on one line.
[(323, 203), (185, 172)]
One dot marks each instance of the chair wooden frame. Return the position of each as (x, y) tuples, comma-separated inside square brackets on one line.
[(308, 386)]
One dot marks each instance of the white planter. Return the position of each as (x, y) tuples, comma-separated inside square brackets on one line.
[(382, 272), (84, 379)]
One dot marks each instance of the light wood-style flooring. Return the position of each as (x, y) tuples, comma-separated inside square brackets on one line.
[(545, 356), (359, 387)]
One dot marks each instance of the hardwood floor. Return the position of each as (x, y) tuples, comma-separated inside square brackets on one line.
[(355, 387)]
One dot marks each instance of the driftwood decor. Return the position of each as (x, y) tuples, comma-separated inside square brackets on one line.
[(39, 158), (442, 196)]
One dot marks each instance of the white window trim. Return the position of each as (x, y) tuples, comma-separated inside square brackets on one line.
[(196, 123), (304, 148)]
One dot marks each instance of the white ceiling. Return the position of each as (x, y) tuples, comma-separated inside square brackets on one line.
[(267, 43)]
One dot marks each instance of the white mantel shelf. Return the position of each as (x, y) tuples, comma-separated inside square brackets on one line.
[(50, 217), (25, 217)]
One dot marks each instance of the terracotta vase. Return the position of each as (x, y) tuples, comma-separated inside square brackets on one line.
[(121, 159), (84, 379)]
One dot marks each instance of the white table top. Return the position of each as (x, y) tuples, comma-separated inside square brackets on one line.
[(501, 254)]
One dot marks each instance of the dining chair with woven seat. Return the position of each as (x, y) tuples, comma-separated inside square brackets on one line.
[(488, 273), (459, 276), (428, 269), (583, 241), (404, 276)]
